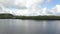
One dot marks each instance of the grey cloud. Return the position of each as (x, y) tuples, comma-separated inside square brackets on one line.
[(10, 4), (48, 12), (15, 7)]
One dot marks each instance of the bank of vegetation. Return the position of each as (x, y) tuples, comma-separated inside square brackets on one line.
[(39, 17), (10, 16), (6, 16)]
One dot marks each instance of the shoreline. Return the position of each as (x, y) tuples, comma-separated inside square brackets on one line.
[(10, 16)]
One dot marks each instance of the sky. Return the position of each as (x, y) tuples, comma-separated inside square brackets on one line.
[(30, 7)]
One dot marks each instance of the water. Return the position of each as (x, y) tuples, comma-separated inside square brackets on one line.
[(17, 26)]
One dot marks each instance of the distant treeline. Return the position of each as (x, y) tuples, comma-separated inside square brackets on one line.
[(5, 16), (10, 16), (38, 17)]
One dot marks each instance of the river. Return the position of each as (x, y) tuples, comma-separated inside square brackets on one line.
[(18, 26)]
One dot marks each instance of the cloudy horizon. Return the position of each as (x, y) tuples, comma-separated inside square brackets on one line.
[(30, 7)]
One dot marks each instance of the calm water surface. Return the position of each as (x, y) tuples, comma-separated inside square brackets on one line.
[(17, 26)]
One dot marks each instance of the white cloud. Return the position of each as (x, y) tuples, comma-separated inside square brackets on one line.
[(44, 11), (56, 10), (31, 7), (27, 3)]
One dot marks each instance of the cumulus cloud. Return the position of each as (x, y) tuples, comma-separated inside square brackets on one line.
[(56, 10), (24, 7)]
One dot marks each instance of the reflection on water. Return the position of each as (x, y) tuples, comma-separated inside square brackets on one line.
[(16, 26)]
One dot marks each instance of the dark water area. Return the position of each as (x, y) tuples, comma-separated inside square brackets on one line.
[(17, 26)]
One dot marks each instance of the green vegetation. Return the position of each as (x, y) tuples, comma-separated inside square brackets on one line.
[(10, 16), (39, 17), (5, 16)]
